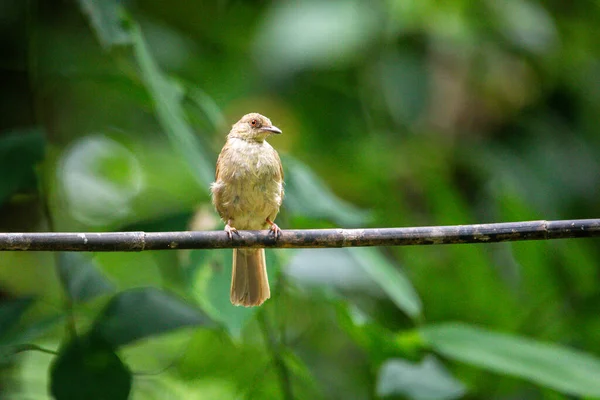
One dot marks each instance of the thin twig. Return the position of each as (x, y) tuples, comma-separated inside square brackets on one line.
[(32, 347), (308, 238)]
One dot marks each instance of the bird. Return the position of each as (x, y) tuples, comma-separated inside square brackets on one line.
[(247, 194)]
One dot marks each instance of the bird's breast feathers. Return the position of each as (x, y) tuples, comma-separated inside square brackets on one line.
[(249, 185), (253, 159)]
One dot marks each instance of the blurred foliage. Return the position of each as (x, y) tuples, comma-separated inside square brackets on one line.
[(394, 112)]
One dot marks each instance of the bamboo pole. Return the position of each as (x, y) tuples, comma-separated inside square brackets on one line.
[(307, 238)]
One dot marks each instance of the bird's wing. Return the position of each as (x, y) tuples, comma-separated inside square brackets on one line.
[(222, 155), (280, 165), (280, 174)]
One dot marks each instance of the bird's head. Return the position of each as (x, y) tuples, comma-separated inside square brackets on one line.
[(253, 126)]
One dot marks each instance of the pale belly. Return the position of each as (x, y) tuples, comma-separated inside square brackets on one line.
[(251, 192), (250, 202)]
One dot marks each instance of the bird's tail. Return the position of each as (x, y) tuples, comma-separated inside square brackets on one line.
[(249, 281)]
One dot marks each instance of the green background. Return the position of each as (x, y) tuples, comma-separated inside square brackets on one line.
[(394, 113)]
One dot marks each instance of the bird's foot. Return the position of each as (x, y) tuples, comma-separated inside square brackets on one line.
[(230, 230), (274, 228)]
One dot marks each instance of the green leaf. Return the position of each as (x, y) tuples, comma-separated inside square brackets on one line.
[(140, 313), (330, 269), (546, 364), (207, 105), (304, 383), (527, 24), (404, 78), (28, 333), (307, 195), (167, 97), (100, 178), (212, 283), (106, 19), (427, 380), (80, 277), (379, 342), (20, 151), (346, 268), (11, 311), (168, 386), (293, 34), (390, 279), (14, 334), (88, 368)]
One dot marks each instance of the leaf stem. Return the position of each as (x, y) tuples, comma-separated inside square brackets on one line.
[(33, 347), (278, 362)]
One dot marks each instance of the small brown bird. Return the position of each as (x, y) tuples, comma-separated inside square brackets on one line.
[(247, 195)]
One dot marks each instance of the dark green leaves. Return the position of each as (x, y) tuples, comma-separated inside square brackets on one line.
[(11, 311), (88, 368), (137, 314), (20, 151), (80, 277), (546, 364), (13, 334), (130, 315)]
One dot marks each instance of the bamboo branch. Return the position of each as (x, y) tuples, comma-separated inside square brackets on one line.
[(308, 238)]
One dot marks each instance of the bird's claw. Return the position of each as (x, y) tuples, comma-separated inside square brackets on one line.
[(275, 229), (230, 230)]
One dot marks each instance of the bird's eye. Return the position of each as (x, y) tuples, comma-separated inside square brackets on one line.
[(253, 122)]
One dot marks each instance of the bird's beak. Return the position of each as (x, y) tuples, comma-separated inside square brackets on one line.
[(272, 129)]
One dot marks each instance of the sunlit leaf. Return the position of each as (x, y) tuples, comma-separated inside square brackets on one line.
[(100, 179), (106, 18), (20, 151), (30, 380), (527, 24), (426, 380), (560, 368), (211, 354), (140, 313), (80, 277), (330, 268), (311, 33), (346, 269), (173, 387), (390, 278), (88, 368), (307, 195)]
